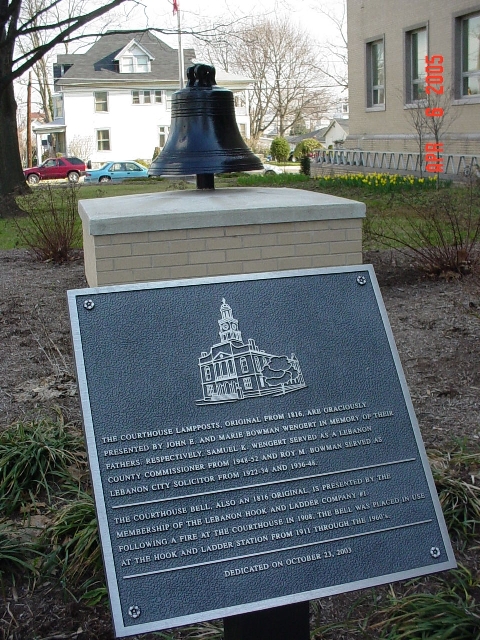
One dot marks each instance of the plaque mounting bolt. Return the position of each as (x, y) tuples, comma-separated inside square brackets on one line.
[(134, 612), (435, 552), (89, 304), (361, 280)]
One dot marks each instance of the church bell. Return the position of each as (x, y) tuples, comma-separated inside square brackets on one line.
[(204, 136)]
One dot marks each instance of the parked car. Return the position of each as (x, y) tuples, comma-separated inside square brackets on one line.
[(116, 172), (270, 169), (56, 168)]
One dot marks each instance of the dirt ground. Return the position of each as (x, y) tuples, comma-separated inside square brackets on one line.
[(436, 324)]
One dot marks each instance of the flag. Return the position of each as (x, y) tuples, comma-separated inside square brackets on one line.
[(175, 6)]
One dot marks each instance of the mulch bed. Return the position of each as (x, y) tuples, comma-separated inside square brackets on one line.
[(436, 324)]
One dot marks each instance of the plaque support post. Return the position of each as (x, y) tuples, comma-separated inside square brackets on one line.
[(290, 622)]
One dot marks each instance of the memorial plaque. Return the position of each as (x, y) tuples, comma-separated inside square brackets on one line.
[(252, 444)]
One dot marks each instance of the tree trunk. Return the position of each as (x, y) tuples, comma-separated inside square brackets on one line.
[(12, 179)]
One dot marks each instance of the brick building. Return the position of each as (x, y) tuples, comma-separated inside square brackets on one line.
[(387, 42)]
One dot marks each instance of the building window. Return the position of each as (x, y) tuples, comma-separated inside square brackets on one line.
[(242, 127), (239, 99), (415, 51), (141, 64), (59, 70), (148, 96), (103, 140), (57, 106), (244, 365), (208, 375), (101, 100), (470, 55), (126, 65), (247, 383), (162, 136), (134, 64), (375, 74)]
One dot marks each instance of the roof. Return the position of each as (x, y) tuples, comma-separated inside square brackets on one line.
[(318, 134), (342, 122), (98, 63)]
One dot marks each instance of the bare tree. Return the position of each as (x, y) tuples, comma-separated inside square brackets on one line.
[(81, 147), (32, 10), (334, 62), (417, 121), (22, 133), (16, 24), (430, 119), (279, 59)]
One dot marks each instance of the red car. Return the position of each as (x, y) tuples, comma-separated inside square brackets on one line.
[(56, 168)]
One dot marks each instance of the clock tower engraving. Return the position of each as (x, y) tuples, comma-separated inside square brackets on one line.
[(228, 324), (235, 370)]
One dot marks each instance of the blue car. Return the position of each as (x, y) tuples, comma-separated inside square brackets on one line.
[(116, 172)]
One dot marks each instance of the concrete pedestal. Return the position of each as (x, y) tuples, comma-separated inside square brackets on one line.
[(172, 235)]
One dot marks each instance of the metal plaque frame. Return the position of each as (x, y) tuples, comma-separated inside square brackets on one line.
[(252, 443)]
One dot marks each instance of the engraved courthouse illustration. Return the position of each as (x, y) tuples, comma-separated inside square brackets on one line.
[(234, 370)]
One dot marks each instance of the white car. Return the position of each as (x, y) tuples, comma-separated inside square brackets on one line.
[(270, 169)]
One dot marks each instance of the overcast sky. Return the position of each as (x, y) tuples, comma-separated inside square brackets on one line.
[(305, 13), (158, 13)]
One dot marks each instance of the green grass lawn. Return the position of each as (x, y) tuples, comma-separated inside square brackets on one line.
[(10, 234), (383, 208)]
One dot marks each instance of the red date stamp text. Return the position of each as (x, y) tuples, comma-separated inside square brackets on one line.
[(434, 85)]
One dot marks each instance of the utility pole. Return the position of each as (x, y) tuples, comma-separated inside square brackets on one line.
[(29, 120), (176, 10)]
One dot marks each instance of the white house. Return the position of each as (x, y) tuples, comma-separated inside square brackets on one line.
[(113, 102), (329, 137), (336, 133)]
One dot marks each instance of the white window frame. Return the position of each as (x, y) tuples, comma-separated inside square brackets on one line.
[(141, 67), (162, 136), (415, 77), (147, 96), (240, 99), (135, 64), (462, 75), (97, 102), (371, 104), (100, 141), (58, 110), (126, 64)]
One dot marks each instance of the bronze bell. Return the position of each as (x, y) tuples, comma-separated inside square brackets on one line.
[(204, 137)]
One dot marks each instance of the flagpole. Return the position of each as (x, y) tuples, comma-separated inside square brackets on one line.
[(180, 50)]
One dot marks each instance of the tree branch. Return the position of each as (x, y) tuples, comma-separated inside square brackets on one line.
[(63, 35)]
